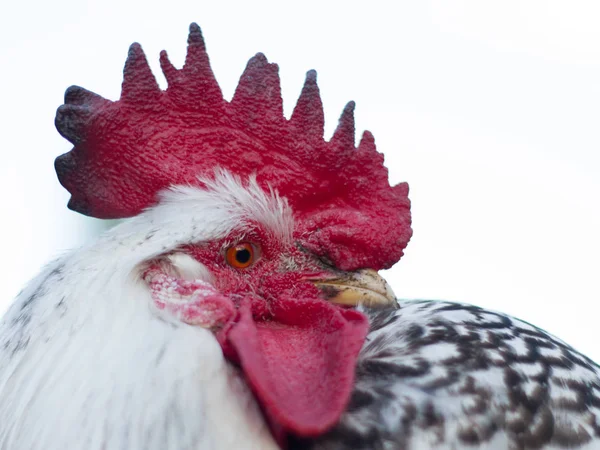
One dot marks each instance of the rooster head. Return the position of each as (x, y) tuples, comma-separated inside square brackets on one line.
[(284, 232)]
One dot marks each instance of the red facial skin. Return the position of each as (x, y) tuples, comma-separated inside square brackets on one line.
[(297, 350), (270, 276)]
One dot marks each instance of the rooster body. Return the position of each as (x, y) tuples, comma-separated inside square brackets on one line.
[(238, 307)]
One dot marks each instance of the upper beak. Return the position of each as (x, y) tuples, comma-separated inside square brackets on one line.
[(364, 287)]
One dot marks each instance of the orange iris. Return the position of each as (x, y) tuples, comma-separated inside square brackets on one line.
[(240, 256)]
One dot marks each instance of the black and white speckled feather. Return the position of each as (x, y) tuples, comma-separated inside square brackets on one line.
[(441, 375)]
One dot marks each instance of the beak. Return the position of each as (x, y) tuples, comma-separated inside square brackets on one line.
[(365, 287)]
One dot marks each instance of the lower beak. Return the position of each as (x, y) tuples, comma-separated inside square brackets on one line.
[(363, 287)]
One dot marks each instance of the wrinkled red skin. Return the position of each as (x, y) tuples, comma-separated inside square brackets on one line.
[(267, 279), (297, 350), (127, 151)]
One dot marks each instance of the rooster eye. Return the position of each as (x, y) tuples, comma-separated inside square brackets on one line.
[(240, 256)]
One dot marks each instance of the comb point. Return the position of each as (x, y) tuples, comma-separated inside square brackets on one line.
[(344, 134), (168, 69), (71, 121), (308, 116), (76, 95), (139, 85), (257, 97), (195, 35), (199, 88)]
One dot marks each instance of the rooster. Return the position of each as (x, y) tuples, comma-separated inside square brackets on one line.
[(239, 305)]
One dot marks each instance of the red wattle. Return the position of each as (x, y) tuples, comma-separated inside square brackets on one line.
[(301, 363)]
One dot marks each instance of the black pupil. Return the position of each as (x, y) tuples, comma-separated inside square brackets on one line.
[(242, 256)]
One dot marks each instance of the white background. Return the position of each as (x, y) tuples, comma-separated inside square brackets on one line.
[(490, 110)]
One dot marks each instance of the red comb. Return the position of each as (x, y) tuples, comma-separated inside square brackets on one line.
[(127, 151)]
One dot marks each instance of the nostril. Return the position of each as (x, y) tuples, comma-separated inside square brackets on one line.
[(324, 259), (328, 263)]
